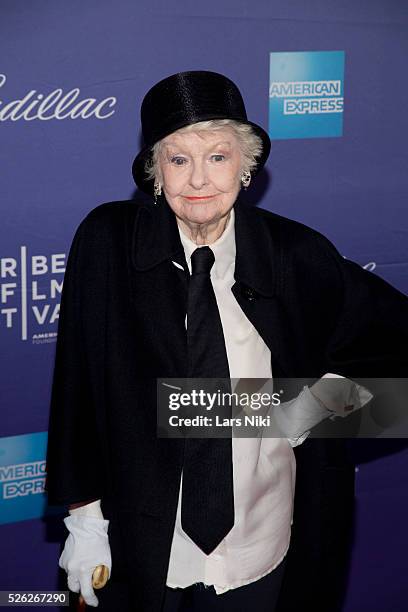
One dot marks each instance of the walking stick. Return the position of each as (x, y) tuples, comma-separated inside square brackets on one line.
[(99, 579)]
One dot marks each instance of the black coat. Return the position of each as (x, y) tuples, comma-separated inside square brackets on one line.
[(122, 325)]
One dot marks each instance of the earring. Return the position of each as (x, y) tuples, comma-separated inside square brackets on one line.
[(157, 191), (245, 179)]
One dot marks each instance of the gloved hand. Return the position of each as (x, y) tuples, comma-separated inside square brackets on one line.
[(86, 547)]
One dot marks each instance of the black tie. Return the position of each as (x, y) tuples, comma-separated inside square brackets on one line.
[(207, 506)]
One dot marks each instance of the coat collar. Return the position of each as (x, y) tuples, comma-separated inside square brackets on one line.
[(259, 269), (156, 239)]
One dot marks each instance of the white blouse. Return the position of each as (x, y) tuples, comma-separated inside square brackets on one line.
[(264, 469)]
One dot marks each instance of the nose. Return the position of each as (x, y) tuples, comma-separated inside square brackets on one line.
[(198, 176)]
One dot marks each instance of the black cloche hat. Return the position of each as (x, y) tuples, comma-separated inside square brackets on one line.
[(185, 98)]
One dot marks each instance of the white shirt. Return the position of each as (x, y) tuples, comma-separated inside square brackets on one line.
[(264, 469)]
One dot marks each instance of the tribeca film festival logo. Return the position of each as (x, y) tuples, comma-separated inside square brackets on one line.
[(306, 94), (54, 105), (22, 479), (30, 290)]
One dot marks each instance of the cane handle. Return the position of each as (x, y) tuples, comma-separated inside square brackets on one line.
[(99, 579)]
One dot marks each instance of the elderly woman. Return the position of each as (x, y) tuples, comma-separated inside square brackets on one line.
[(195, 283)]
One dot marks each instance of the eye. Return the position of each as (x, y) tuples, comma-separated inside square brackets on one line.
[(178, 161), (218, 157)]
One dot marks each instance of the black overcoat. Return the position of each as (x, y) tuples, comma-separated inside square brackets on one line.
[(122, 325)]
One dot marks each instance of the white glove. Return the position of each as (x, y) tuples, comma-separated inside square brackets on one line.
[(86, 547), (326, 398)]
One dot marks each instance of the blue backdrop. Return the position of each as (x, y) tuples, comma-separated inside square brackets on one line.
[(326, 78)]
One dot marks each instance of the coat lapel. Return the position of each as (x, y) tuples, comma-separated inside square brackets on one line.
[(259, 275), (160, 288)]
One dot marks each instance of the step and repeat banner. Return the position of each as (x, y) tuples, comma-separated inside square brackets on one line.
[(328, 82)]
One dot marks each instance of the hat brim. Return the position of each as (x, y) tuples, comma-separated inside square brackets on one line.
[(139, 163)]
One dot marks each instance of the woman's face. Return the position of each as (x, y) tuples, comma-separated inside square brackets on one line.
[(200, 174)]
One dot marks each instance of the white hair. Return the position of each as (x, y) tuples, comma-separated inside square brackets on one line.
[(249, 142)]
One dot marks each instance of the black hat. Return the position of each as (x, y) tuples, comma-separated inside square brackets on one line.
[(185, 98)]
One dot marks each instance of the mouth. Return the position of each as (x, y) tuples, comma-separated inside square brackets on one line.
[(194, 198)]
